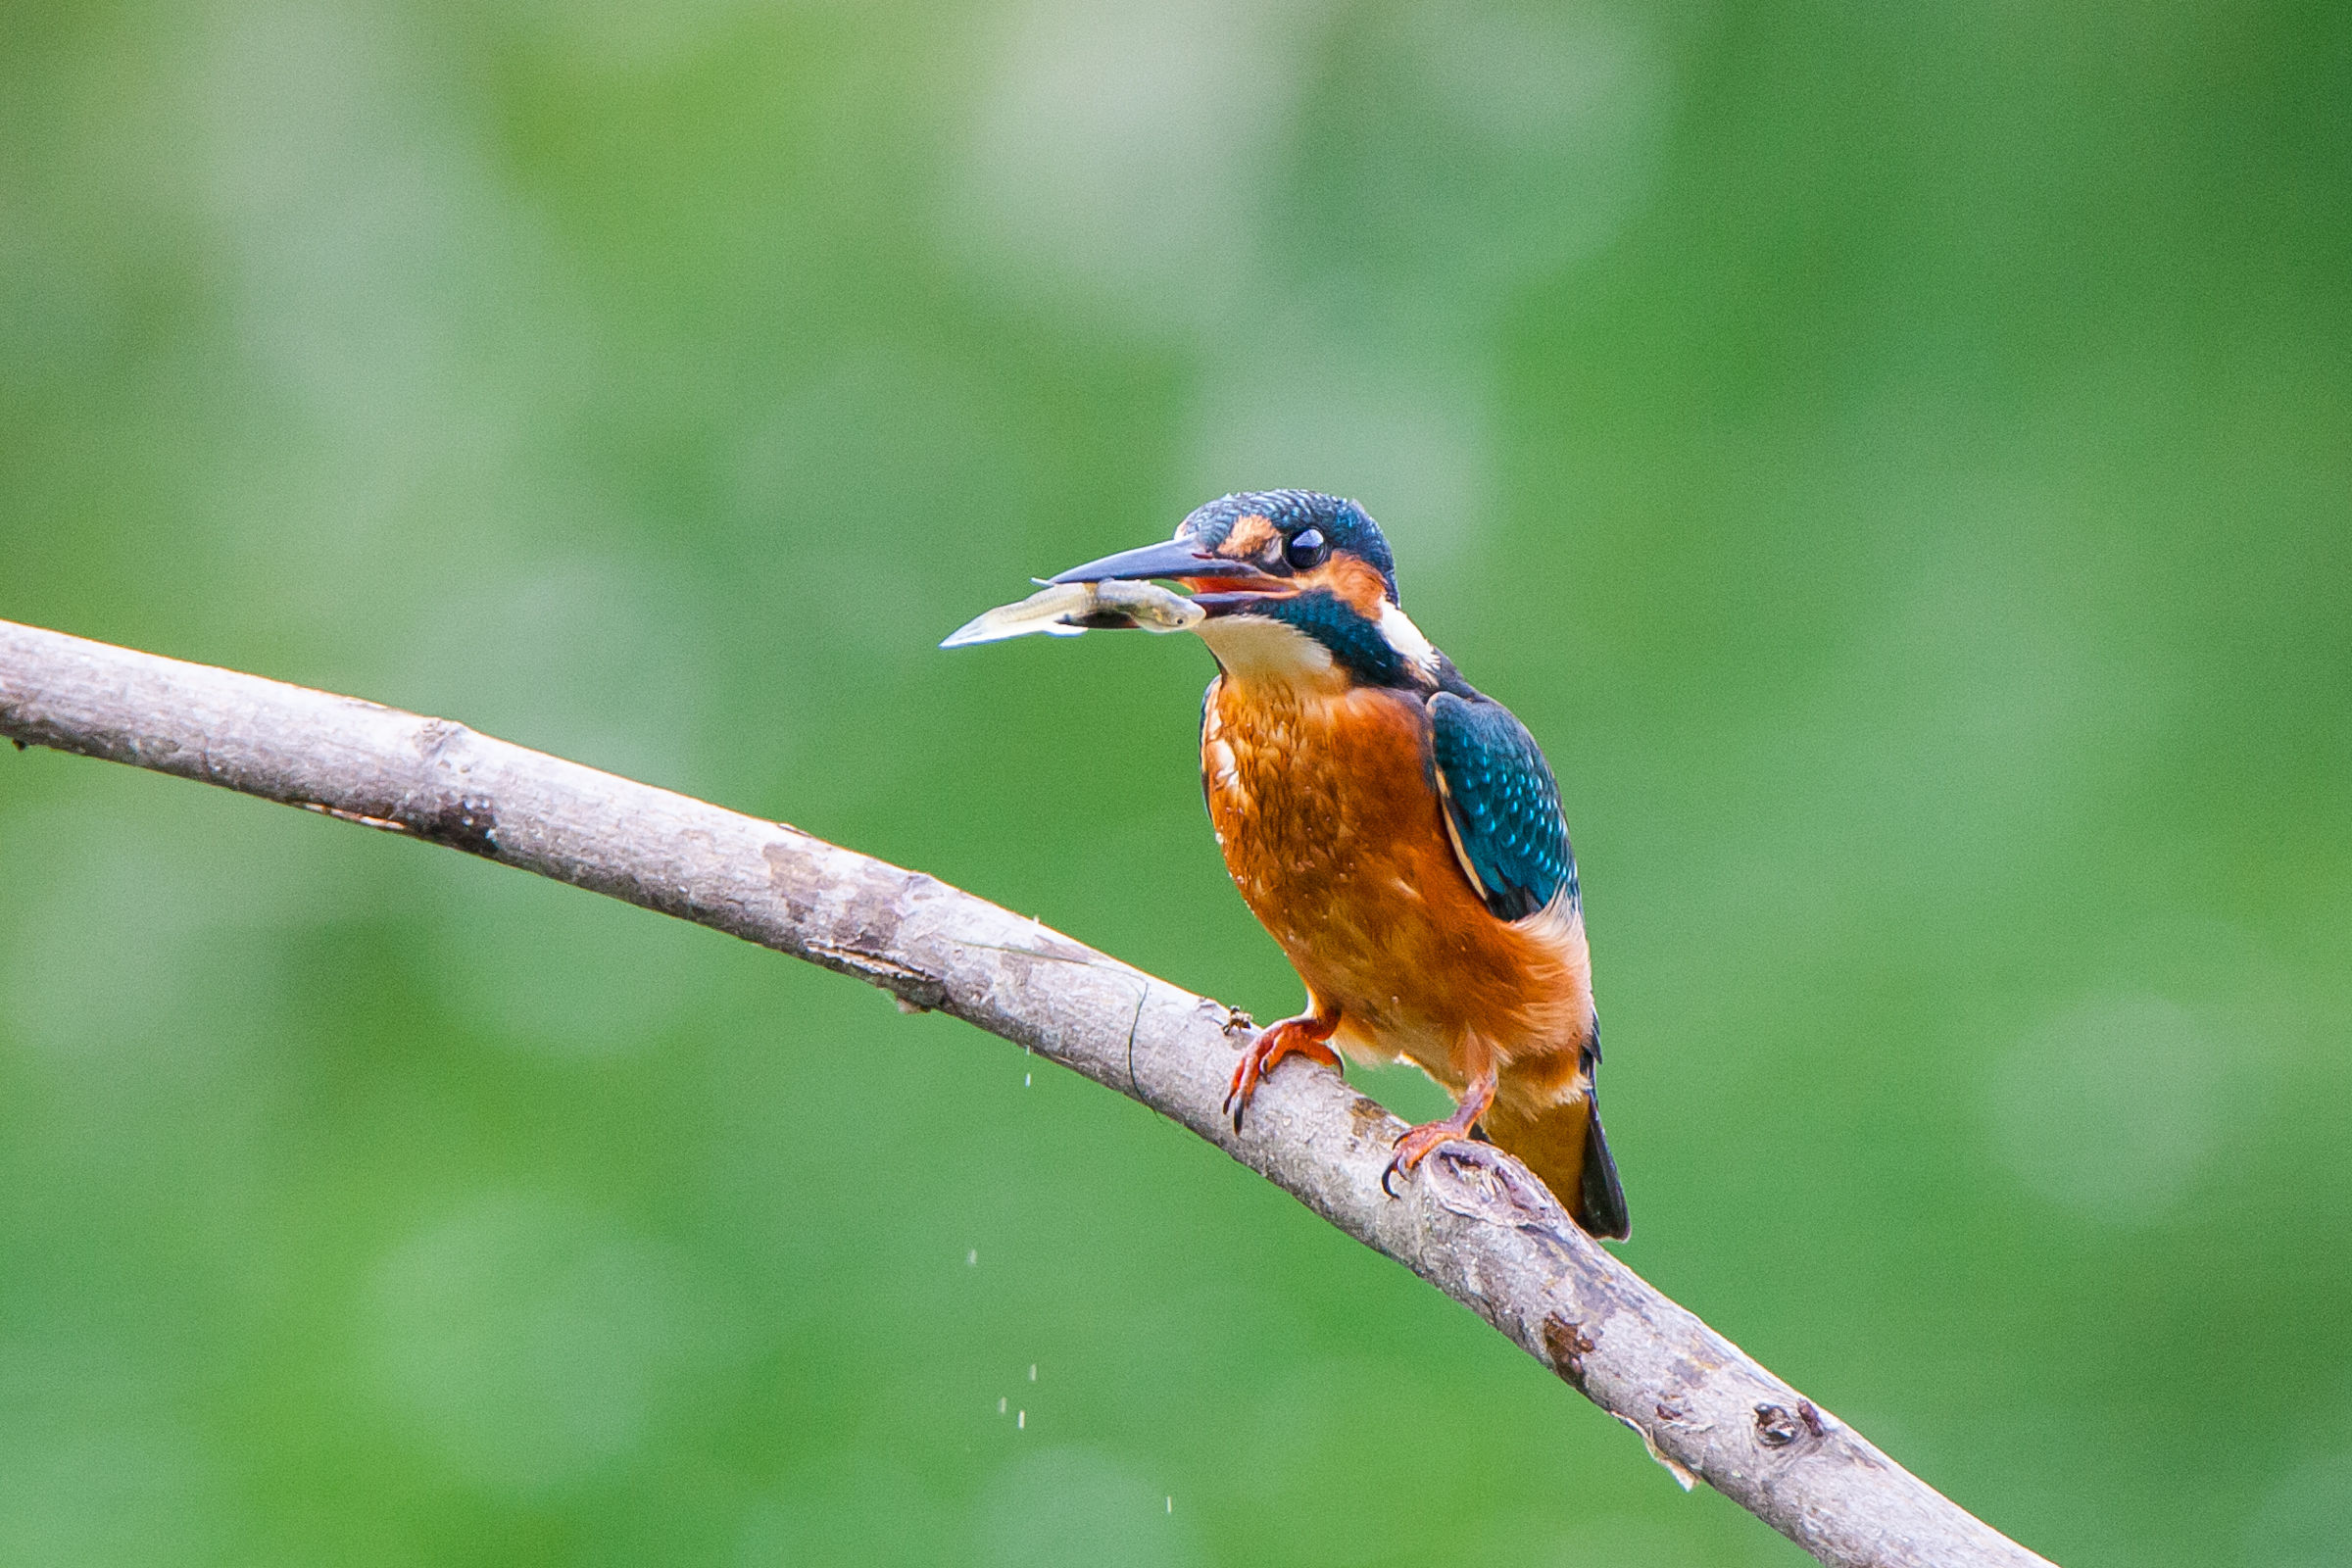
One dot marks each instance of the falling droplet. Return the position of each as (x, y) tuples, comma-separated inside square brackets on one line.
[(1032, 1371), (972, 1259), (1171, 1506), (1001, 1403), (1021, 1421), (1024, 1080)]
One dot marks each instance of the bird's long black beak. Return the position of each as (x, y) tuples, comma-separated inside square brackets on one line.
[(1175, 559)]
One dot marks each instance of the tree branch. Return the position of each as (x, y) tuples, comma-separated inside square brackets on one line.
[(1471, 1221)]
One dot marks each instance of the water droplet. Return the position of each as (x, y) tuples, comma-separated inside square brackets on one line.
[(972, 1259), (1021, 1421), (1171, 1506), (1002, 1405), (1032, 1371), (1024, 1080)]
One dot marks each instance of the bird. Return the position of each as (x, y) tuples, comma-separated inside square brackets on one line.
[(1397, 831)]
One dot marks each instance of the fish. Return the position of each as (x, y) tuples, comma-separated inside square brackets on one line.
[(1065, 610)]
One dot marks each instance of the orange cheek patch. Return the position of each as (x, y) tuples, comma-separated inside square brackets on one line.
[(1354, 581), (1250, 538)]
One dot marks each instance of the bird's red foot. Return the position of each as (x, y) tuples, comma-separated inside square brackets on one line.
[(1304, 1036), (1414, 1146)]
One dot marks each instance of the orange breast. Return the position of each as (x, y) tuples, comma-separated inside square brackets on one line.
[(1330, 824)]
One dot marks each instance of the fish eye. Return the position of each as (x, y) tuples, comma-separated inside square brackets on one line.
[(1306, 549)]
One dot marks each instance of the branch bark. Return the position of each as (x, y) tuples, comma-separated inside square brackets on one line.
[(1471, 1221)]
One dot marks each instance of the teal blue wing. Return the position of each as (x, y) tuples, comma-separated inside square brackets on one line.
[(1501, 805)]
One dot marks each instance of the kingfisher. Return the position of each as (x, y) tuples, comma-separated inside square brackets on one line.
[(1396, 830)]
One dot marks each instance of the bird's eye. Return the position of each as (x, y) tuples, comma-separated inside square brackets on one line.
[(1306, 549)]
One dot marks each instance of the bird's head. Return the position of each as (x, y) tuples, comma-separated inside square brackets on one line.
[(1295, 585)]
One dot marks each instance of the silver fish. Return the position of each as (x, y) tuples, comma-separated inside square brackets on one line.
[(1064, 609)]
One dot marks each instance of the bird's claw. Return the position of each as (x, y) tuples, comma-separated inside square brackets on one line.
[(1417, 1145), (1292, 1037), (1245, 1075)]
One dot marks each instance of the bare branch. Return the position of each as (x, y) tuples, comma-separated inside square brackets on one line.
[(1471, 1221)]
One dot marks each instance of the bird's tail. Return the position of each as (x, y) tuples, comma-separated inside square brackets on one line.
[(1563, 1144), (1600, 1198)]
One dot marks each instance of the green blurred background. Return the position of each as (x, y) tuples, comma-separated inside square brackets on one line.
[(1897, 460)]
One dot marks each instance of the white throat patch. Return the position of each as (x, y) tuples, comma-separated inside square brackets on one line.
[(1255, 649)]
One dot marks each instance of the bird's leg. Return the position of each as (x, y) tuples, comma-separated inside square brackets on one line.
[(1307, 1035), (1417, 1141)]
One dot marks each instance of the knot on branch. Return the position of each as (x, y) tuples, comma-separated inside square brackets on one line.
[(1777, 1426), (1566, 1344), (1482, 1182)]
